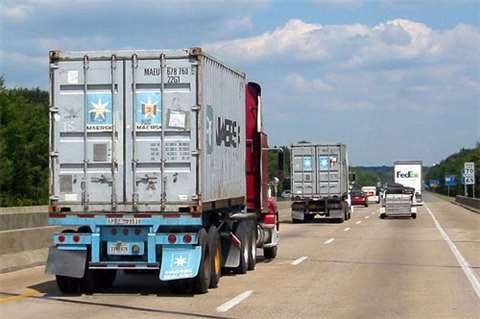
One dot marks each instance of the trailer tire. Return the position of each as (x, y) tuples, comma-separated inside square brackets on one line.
[(68, 285), (296, 221), (201, 282), (243, 235), (252, 250), (215, 244), (179, 286), (382, 215), (414, 215), (104, 278), (270, 252), (308, 218)]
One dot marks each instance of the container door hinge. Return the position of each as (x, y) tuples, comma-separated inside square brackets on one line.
[(53, 109), (54, 65), (196, 153), (54, 154), (54, 198), (196, 108)]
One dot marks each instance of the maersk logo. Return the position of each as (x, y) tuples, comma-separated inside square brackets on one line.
[(409, 174)]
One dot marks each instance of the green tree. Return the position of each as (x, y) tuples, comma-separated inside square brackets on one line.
[(23, 146)]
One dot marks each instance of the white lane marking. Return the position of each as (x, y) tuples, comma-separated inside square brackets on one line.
[(367, 217), (460, 259), (298, 260), (358, 222), (234, 301), (326, 242), (347, 229), (373, 213)]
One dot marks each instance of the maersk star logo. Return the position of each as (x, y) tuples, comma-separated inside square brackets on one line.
[(180, 261), (149, 108), (99, 109)]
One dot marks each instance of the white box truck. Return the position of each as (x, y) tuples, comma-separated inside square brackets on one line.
[(409, 174)]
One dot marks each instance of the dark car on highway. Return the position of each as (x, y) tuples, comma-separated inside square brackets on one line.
[(359, 198)]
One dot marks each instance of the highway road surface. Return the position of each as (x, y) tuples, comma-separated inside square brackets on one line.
[(363, 268)]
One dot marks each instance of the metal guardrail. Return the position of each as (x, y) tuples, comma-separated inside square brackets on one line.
[(468, 201)]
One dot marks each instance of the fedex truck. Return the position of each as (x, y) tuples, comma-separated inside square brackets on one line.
[(409, 174)]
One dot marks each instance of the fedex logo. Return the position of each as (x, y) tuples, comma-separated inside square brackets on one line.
[(408, 174)]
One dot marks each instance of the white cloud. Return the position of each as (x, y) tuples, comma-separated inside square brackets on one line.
[(299, 83), (16, 12), (353, 45)]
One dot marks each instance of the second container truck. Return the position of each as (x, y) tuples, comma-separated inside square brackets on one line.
[(320, 182)]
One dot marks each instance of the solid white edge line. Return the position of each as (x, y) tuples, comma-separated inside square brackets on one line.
[(460, 259), (326, 242), (298, 260), (358, 222), (234, 301), (347, 229)]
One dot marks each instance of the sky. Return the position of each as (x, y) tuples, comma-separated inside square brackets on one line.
[(392, 79)]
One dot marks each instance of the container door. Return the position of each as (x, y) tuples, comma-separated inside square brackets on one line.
[(303, 170), (328, 161), (151, 108), (87, 132)]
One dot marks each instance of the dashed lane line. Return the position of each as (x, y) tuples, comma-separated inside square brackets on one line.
[(460, 259), (234, 301), (347, 229), (358, 222), (329, 241), (367, 217), (299, 260)]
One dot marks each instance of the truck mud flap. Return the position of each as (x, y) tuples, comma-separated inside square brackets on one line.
[(69, 263), (299, 215), (335, 213), (180, 263)]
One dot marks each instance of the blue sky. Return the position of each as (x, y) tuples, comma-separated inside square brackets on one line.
[(392, 79)]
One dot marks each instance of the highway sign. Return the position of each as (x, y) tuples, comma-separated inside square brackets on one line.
[(434, 183), (469, 173), (450, 180)]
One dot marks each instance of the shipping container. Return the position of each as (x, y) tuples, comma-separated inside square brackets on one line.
[(409, 174), (108, 149), (320, 181), (149, 157)]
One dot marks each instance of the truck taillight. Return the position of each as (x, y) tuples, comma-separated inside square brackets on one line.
[(125, 231), (76, 238), (187, 239), (172, 239), (138, 231), (61, 238), (114, 231), (269, 219)]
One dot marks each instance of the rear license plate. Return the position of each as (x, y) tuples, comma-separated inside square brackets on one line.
[(118, 249), (123, 221)]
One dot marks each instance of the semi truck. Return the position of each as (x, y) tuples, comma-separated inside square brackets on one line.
[(409, 174), (158, 163), (320, 182)]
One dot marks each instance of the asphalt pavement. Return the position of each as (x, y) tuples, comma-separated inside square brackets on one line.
[(363, 268)]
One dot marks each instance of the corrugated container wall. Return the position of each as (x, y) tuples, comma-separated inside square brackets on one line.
[(145, 131), (319, 170)]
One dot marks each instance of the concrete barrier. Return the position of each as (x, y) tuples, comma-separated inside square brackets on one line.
[(24, 237), (468, 202)]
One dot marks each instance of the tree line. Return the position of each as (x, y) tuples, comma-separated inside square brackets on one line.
[(23, 146), (453, 165)]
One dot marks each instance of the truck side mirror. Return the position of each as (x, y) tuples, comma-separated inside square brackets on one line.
[(353, 176)]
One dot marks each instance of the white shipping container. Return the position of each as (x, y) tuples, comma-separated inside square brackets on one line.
[(409, 174), (145, 130)]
